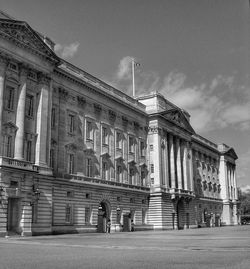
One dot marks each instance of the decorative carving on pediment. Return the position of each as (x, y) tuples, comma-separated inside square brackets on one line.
[(81, 101), (63, 93), (24, 36), (71, 147), (112, 115), (124, 121), (97, 108), (20, 35)]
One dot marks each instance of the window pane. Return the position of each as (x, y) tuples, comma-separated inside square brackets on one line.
[(29, 105)]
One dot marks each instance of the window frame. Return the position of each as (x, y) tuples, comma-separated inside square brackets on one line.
[(29, 105)]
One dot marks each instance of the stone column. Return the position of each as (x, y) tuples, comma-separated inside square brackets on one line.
[(235, 185), (3, 66), (172, 161), (20, 115), (166, 174), (178, 162), (42, 121), (185, 164), (190, 164)]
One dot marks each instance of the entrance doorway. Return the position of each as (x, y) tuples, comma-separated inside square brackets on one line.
[(180, 214), (103, 217), (13, 215)]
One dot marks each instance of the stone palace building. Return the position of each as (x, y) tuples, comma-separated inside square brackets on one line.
[(76, 152)]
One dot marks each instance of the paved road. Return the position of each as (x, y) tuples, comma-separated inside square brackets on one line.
[(227, 247)]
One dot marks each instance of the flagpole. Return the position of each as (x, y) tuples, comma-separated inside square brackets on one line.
[(133, 76)]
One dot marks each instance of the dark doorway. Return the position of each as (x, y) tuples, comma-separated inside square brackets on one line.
[(103, 217), (180, 214), (13, 215)]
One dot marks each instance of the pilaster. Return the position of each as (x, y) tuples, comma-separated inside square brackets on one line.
[(42, 121), (178, 162), (3, 66), (172, 161), (20, 115)]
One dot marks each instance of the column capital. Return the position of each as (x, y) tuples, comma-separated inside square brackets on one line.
[(43, 79)]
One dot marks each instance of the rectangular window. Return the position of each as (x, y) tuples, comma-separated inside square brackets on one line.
[(29, 151), (104, 170), (131, 144), (71, 164), (52, 158), (34, 212), (87, 215), (104, 136), (89, 131), (118, 140), (10, 97), (9, 147), (69, 214), (118, 173), (143, 176), (89, 168), (71, 123), (131, 176), (151, 147), (53, 117), (29, 105), (142, 149), (144, 215)]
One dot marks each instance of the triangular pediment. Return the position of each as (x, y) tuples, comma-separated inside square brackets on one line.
[(177, 117), (24, 36), (231, 153)]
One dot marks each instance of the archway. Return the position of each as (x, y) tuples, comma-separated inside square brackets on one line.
[(103, 216), (180, 214)]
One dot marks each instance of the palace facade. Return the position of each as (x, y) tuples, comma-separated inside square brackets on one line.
[(76, 152)]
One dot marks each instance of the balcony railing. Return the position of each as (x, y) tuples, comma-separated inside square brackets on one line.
[(109, 182), (12, 192), (5, 161), (181, 192)]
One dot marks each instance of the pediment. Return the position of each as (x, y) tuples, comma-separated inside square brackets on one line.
[(231, 153), (71, 147), (10, 127), (177, 117), (24, 36)]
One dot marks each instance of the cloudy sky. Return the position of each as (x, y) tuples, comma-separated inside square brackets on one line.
[(195, 52)]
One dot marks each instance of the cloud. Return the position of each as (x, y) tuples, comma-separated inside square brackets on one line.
[(124, 68), (67, 51), (243, 168), (245, 189), (214, 104)]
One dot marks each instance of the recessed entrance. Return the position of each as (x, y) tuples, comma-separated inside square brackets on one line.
[(103, 217), (180, 214), (13, 215)]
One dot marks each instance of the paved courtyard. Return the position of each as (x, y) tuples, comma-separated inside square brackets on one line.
[(227, 247)]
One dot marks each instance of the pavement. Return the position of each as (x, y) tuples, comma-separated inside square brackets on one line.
[(222, 247)]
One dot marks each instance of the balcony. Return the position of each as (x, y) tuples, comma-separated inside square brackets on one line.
[(109, 183), (12, 192), (181, 193), (24, 165)]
